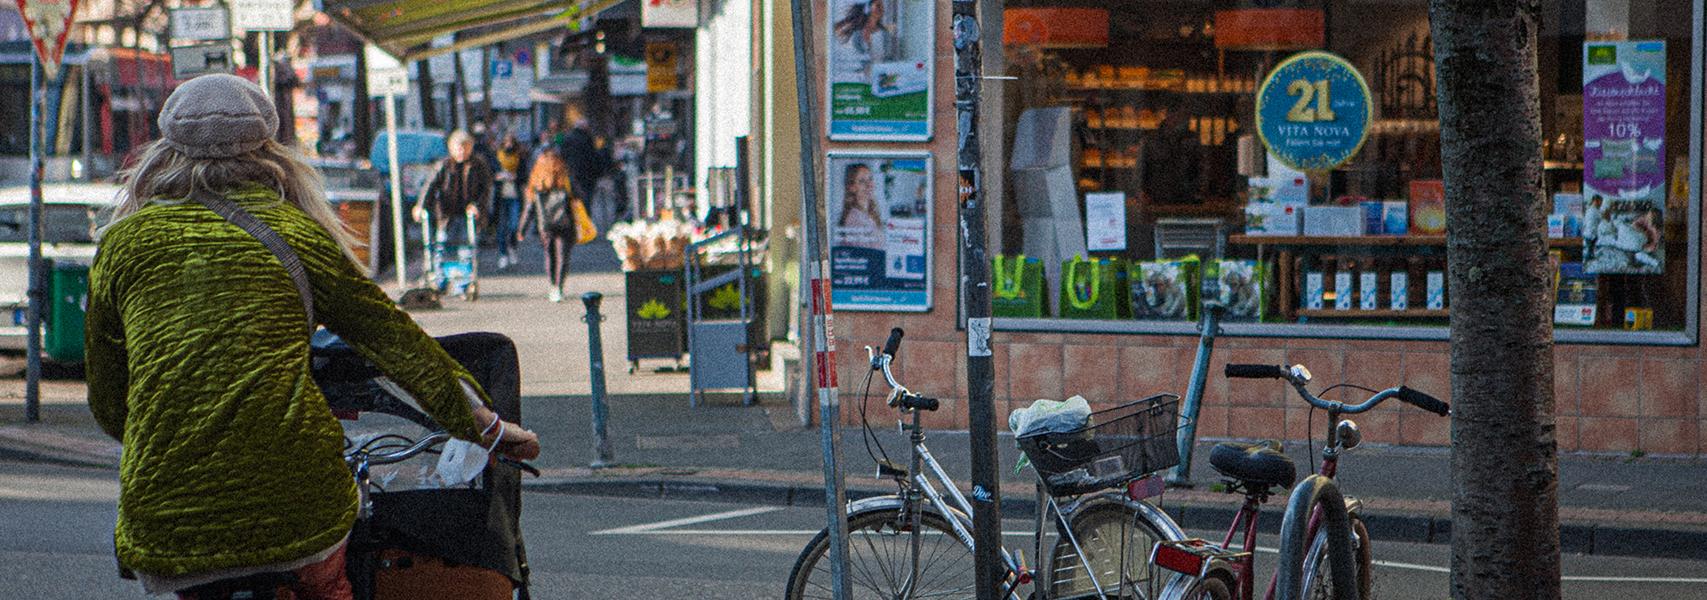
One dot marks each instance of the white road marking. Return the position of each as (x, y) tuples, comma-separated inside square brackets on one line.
[(665, 528), (650, 527)]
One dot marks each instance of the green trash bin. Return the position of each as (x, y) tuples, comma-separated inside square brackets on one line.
[(68, 295)]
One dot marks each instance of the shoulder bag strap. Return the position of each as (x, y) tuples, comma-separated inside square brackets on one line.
[(269, 238)]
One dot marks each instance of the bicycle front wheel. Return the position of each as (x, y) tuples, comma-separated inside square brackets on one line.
[(880, 555), (1318, 583), (1116, 540)]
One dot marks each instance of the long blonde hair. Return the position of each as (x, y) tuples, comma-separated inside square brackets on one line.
[(164, 173)]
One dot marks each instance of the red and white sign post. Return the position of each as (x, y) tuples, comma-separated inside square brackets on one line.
[(48, 21)]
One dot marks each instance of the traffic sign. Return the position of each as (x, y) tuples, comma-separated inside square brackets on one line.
[(48, 22), (203, 24), (386, 76), (201, 59), (262, 15)]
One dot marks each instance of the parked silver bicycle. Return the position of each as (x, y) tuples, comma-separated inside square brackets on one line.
[(917, 543)]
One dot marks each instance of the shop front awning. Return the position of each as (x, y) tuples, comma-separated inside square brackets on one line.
[(406, 28)]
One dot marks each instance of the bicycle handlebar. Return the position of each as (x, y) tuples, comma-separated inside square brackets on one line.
[(1403, 394), (894, 343), (899, 396), (397, 456)]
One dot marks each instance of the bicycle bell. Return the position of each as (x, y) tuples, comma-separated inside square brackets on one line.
[(1348, 434), (1300, 374)]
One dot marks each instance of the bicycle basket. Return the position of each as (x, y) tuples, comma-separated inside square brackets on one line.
[(1118, 445)]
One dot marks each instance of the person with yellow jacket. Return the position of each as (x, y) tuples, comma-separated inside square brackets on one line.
[(198, 358)]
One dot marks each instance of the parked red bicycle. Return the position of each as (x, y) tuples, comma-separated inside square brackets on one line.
[(1316, 513)]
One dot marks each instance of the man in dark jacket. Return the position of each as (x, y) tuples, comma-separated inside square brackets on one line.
[(462, 185), (586, 163)]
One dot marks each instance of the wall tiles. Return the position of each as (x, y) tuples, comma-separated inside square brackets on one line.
[(1669, 388), (1608, 387), (1669, 436), (1599, 434)]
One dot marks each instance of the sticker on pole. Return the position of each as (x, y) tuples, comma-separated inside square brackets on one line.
[(48, 22)]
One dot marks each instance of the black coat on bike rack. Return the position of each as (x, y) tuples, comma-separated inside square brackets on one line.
[(477, 527)]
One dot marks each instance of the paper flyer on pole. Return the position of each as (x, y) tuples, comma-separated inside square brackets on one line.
[(1624, 175), (880, 67), (879, 217)]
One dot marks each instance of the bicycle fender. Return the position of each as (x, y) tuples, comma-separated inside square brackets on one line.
[(1180, 585), (893, 502), (1149, 511)]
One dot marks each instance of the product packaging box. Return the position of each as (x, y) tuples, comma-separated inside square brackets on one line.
[(1374, 217), (1339, 221), (1555, 226), (1368, 290), (1577, 297), (1570, 209), (1396, 217), (1272, 218), (1313, 290), (1399, 291), (1428, 207), (1343, 294), (1436, 290)]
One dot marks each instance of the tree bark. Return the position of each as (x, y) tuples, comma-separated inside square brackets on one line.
[(1505, 517)]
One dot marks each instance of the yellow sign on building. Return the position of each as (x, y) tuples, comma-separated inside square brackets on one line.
[(661, 67)]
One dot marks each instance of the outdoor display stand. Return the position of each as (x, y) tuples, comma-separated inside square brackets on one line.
[(722, 348), (655, 324)]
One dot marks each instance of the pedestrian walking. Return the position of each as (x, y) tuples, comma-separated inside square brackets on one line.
[(550, 194), (508, 211), (461, 185), (198, 361)]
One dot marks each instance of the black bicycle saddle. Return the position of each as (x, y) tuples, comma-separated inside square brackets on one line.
[(1257, 465)]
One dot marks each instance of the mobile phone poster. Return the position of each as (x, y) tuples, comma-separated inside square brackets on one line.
[(880, 65), (879, 215)]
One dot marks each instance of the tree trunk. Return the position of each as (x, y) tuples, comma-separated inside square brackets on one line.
[(1505, 514)]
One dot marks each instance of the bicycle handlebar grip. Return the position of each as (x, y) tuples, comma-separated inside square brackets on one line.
[(1423, 401), (1255, 371), (917, 402), (894, 342)]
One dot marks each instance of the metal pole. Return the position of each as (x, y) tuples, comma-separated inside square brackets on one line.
[(1186, 435), (396, 185), (596, 360), (265, 69), (975, 293), (37, 295), (820, 362)]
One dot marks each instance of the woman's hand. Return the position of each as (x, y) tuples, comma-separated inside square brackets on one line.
[(517, 443)]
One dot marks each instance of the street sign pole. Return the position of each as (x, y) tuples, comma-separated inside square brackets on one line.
[(975, 294), (820, 361), (396, 187), (265, 69), (37, 294)]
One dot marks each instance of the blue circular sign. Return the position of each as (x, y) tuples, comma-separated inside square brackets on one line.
[(1313, 111)]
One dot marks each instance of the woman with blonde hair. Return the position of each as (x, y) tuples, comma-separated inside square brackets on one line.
[(198, 358), (549, 196)]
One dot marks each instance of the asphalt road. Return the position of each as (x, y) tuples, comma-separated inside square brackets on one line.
[(56, 523)]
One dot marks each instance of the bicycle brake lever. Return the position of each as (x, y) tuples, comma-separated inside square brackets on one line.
[(521, 465)]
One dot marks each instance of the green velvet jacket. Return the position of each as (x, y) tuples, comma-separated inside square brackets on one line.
[(198, 363)]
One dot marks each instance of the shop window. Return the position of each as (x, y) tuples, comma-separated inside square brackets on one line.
[(1136, 174)]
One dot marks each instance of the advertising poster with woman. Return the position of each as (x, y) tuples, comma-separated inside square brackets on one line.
[(880, 69), (879, 218), (1624, 178)]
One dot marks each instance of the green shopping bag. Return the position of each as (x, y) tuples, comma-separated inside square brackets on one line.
[(1089, 289), (1018, 289), (1164, 290)]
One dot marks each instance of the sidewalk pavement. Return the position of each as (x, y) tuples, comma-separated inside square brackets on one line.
[(1614, 505)]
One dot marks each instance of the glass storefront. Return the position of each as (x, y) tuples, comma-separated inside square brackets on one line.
[(1137, 176)]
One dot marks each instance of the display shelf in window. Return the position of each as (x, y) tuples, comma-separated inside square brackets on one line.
[(1415, 313), (1367, 240)]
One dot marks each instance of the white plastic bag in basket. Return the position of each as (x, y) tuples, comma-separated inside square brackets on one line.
[(1052, 416)]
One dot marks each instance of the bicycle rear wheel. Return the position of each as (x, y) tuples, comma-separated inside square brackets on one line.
[(880, 557), (1318, 583), (1116, 540)]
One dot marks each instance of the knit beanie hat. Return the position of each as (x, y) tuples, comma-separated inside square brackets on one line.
[(217, 116)]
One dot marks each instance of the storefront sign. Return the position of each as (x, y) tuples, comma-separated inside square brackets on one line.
[(1624, 164), (661, 67), (1270, 29), (1105, 222), (203, 24), (879, 213), (1055, 27), (1313, 111), (880, 67), (510, 84), (669, 13)]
